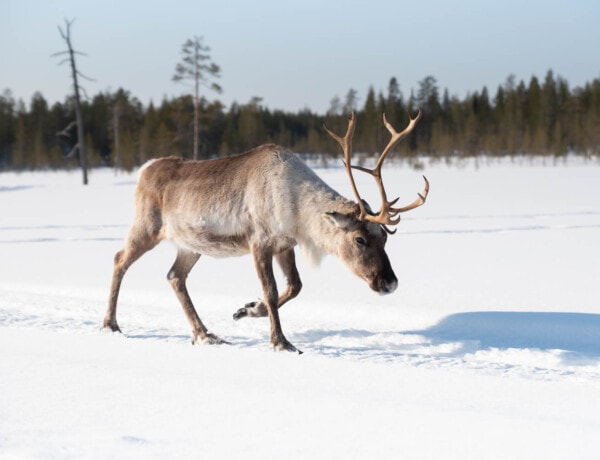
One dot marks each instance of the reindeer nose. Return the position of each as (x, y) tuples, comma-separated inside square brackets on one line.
[(388, 286)]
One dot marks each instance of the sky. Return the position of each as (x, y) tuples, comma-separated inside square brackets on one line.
[(298, 55)]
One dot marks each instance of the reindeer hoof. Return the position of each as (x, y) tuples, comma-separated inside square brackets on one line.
[(209, 339), (245, 311), (241, 313), (112, 325), (284, 345), (254, 309)]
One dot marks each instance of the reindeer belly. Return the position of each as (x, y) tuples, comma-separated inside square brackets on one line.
[(202, 239)]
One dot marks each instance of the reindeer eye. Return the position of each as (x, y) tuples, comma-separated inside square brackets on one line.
[(360, 241)]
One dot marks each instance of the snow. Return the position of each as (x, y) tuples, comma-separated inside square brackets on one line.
[(489, 348)]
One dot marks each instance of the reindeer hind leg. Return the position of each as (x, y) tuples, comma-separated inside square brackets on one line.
[(177, 277), (139, 241)]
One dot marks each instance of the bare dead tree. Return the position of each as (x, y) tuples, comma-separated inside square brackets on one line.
[(79, 147)]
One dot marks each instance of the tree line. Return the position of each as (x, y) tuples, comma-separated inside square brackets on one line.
[(540, 117)]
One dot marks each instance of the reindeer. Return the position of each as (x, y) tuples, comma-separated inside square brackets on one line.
[(263, 202)]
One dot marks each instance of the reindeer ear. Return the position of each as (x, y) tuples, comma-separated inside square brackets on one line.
[(343, 221), (367, 207)]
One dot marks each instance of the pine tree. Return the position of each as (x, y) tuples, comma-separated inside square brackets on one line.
[(533, 118), (197, 67), (37, 131), (251, 129), (7, 126), (149, 126), (351, 102), (549, 111), (369, 124), (428, 100), (335, 106), (394, 105), (19, 148)]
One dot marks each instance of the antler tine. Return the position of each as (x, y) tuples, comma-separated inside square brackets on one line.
[(346, 141), (396, 137), (418, 202), (346, 144), (387, 214)]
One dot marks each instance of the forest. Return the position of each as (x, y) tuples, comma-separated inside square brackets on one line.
[(538, 117)]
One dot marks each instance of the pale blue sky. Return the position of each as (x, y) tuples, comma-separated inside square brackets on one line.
[(299, 54)]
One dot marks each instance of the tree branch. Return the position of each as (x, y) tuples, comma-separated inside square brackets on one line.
[(85, 77), (71, 153)]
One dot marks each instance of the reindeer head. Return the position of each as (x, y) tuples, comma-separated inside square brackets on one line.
[(362, 234), (361, 247)]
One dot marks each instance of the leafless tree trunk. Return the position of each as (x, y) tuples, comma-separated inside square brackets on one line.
[(80, 146)]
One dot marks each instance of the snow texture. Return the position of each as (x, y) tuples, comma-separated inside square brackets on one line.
[(490, 347)]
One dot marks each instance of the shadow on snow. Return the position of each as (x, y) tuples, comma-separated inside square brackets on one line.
[(577, 335), (575, 332), (15, 188)]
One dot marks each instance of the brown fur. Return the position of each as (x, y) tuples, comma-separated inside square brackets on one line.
[(263, 202)]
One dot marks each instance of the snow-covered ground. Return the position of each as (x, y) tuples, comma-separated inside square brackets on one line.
[(490, 347)]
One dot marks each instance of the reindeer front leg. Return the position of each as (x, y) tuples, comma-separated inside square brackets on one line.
[(287, 261), (263, 260)]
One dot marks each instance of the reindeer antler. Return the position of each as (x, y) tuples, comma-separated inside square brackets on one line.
[(346, 144), (387, 214)]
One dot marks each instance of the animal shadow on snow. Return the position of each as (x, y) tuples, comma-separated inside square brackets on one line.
[(577, 335)]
